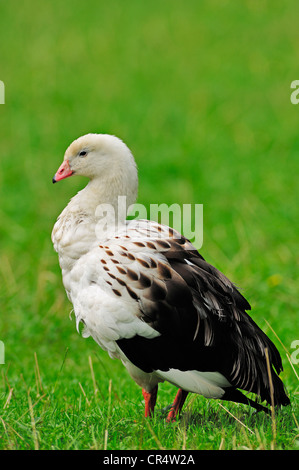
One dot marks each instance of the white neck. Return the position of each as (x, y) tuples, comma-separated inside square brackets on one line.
[(96, 193)]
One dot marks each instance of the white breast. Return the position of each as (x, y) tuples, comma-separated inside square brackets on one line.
[(107, 317)]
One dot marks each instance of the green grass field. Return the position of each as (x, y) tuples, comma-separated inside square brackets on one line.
[(200, 91)]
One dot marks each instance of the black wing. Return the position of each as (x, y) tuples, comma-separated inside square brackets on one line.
[(202, 320)]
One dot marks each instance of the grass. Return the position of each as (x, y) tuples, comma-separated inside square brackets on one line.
[(77, 412), (201, 93)]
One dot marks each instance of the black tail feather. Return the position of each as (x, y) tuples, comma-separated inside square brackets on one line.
[(233, 394)]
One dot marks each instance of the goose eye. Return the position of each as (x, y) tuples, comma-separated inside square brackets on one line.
[(83, 153)]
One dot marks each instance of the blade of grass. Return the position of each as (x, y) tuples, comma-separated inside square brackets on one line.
[(95, 388), (5, 430), (274, 430), (34, 431), (12, 429), (60, 370), (108, 416), (37, 376), (6, 404), (85, 396), (276, 336), (221, 446), (236, 418), (292, 365), (153, 434)]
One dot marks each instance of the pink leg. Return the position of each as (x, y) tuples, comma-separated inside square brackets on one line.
[(150, 400), (177, 405)]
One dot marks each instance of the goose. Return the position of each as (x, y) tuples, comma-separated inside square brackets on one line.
[(148, 298)]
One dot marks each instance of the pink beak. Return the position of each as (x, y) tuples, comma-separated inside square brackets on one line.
[(63, 171)]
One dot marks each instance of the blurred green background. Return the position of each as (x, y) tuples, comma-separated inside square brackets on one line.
[(200, 92)]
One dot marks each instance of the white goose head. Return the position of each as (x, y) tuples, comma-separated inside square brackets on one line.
[(107, 162)]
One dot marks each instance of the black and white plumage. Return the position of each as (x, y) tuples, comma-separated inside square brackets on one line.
[(149, 298)]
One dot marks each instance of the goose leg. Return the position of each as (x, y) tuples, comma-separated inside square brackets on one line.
[(177, 405), (150, 401)]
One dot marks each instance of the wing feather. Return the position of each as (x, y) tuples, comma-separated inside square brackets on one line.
[(200, 314)]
